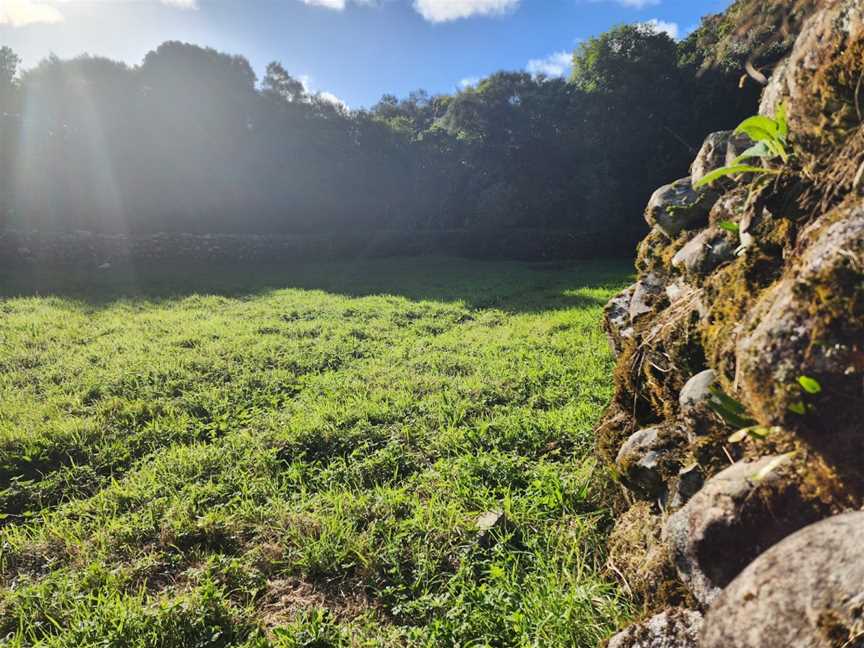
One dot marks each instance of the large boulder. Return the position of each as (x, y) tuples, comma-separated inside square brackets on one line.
[(705, 252), (817, 83), (646, 457), (675, 628), (697, 390), (811, 324), (736, 515), (808, 590), (677, 207)]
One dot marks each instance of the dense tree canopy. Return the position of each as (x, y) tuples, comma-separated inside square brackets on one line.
[(191, 141)]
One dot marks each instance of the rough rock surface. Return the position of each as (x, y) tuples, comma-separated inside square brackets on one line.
[(773, 320), (737, 514), (643, 459), (705, 252), (616, 319), (674, 628), (697, 390), (646, 293), (811, 324), (711, 156), (824, 37), (808, 590), (677, 207)]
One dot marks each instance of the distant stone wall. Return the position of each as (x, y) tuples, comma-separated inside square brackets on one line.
[(91, 249)]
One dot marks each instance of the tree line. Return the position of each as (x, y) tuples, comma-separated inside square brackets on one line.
[(191, 141)]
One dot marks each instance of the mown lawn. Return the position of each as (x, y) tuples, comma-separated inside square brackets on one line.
[(299, 456)]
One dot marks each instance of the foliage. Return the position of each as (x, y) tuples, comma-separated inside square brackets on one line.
[(729, 409), (771, 137), (201, 457), (810, 385), (514, 151)]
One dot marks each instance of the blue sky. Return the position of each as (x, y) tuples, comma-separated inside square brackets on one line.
[(355, 49)]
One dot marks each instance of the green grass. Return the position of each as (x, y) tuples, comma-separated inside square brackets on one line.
[(298, 456)]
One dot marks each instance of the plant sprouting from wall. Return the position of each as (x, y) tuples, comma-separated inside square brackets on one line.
[(771, 142)]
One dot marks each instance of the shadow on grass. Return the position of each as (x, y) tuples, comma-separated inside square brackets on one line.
[(511, 286)]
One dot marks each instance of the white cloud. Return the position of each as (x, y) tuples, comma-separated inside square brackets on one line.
[(638, 4), (329, 97), (554, 65), (19, 13), (336, 5), (661, 26), (632, 4), (181, 4), (469, 82), (446, 10)]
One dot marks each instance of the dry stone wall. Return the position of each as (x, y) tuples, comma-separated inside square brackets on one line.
[(748, 314)]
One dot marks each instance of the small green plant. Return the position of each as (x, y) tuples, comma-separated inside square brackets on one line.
[(729, 409), (729, 226), (810, 387), (771, 137)]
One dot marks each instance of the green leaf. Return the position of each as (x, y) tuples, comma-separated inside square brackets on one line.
[(782, 121), (760, 150), (759, 128), (729, 226), (798, 407), (810, 385), (730, 410), (731, 170)]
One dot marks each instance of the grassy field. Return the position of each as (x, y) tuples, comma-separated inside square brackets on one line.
[(299, 456)]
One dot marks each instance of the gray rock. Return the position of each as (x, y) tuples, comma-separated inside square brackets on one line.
[(687, 484), (822, 37), (734, 517), (677, 207), (808, 590), (711, 156), (616, 319), (645, 457), (794, 330), (704, 253), (697, 390), (675, 628), (638, 461), (676, 291), (646, 292), (776, 90), (735, 146)]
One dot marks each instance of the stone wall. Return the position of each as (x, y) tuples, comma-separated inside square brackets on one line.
[(91, 249), (737, 427)]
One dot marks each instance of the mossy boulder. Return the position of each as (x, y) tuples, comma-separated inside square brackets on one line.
[(800, 355), (736, 516), (805, 591), (675, 628), (677, 207)]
